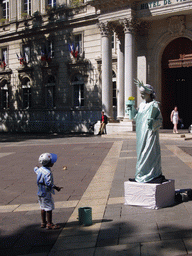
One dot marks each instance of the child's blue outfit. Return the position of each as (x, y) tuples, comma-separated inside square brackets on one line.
[(45, 188)]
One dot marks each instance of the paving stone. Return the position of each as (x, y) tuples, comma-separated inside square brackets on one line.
[(161, 248), (40, 249), (79, 252), (137, 238), (16, 251), (118, 250)]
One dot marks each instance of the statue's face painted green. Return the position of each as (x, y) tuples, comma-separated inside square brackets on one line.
[(146, 96)]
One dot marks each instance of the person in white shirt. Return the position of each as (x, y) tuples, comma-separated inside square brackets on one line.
[(175, 119)]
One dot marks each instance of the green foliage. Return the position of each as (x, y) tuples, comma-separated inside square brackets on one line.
[(76, 3), (24, 15), (3, 20)]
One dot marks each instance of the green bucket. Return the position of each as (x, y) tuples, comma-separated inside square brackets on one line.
[(85, 216)]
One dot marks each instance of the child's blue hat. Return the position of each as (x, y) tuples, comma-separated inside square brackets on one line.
[(45, 158)]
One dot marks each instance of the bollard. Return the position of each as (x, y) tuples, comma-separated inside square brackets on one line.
[(85, 216)]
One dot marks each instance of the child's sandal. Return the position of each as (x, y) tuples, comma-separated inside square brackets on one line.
[(43, 225), (52, 226)]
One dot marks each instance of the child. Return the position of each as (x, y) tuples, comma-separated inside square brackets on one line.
[(46, 189)]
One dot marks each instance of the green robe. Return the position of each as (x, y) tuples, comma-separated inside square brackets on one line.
[(148, 121)]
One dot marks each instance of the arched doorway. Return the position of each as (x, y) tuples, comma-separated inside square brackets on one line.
[(177, 81)]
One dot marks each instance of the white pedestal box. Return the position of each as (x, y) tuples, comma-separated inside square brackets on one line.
[(149, 195)]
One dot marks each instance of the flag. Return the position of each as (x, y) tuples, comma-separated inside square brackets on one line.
[(18, 56), (3, 63), (49, 57), (43, 56), (71, 49), (21, 58), (26, 58), (43, 53), (76, 51)]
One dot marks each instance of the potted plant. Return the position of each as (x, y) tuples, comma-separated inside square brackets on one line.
[(24, 15), (3, 21)]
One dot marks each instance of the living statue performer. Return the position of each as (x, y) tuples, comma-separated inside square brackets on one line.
[(148, 121)]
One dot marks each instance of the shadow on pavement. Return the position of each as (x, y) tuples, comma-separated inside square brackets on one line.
[(17, 137), (161, 241), (32, 239), (28, 240)]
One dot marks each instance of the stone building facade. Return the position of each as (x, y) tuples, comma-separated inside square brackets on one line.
[(63, 61)]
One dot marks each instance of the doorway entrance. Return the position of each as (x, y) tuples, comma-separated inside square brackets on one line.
[(177, 81)]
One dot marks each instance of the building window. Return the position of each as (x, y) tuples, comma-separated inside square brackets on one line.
[(26, 97), (26, 93), (78, 44), (3, 57), (78, 89), (47, 51), (6, 9), (5, 97), (79, 95), (52, 3), (26, 52), (27, 7), (50, 49), (50, 92), (114, 89)]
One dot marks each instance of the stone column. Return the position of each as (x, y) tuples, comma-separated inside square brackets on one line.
[(120, 78), (129, 83), (107, 88)]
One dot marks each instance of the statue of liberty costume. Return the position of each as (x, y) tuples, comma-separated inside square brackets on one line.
[(148, 121)]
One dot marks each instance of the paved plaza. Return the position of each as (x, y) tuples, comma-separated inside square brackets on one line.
[(92, 171)]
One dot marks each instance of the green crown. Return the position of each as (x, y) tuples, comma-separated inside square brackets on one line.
[(141, 84)]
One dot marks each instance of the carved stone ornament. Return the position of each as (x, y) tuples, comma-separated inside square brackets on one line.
[(25, 72), (128, 25), (105, 28), (176, 25), (5, 77)]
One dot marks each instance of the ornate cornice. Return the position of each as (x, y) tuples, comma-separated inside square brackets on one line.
[(109, 4)]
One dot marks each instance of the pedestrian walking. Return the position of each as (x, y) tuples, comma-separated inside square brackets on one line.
[(46, 188), (175, 119)]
